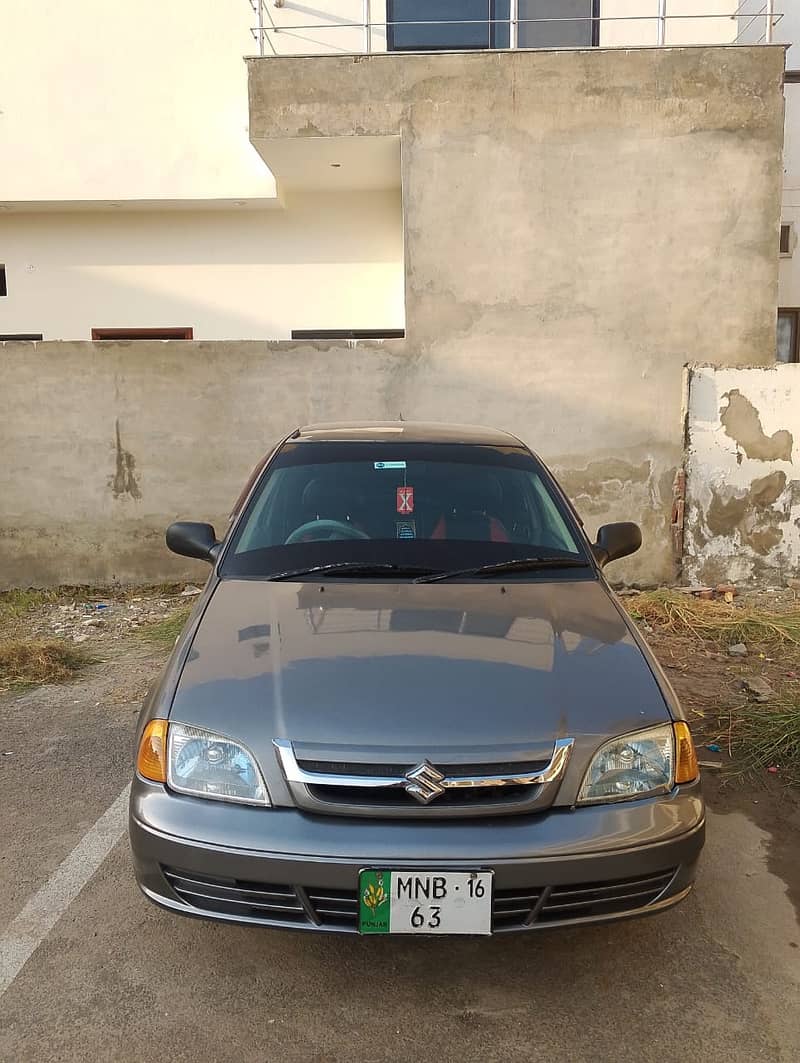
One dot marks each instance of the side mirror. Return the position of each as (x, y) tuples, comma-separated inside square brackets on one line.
[(617, 540), (192, 540)]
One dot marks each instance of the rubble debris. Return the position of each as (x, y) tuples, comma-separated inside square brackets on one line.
[(759, 688), (79, 622)]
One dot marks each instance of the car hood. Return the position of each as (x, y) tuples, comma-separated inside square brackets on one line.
[(423, 669)]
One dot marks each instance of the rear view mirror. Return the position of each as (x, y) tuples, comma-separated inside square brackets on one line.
[(617, 540), (190, 539)]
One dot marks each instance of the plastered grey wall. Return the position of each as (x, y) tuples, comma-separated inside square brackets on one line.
[(578, 225), (104, 444)]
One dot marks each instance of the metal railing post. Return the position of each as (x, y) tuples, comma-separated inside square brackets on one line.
[(367, 28), (513, 24), (260, 17), (662, 23), (770, 18)]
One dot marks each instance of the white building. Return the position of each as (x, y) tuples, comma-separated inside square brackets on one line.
[(132, 202)]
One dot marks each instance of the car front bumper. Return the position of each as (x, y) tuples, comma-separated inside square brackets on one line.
[(283, 868)]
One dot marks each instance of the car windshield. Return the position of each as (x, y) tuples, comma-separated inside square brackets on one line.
[(419, 507)]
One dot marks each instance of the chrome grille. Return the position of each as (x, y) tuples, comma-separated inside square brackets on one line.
[(353, 788), (336, 909)]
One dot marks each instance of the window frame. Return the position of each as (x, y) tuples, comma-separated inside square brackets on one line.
[(391, 28), (787, 227), (495, 25), (142, 334), (794, 312)]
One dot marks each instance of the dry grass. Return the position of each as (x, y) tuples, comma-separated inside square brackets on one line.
[(166, 631), (715, 621), (766, 736), (34, 661)]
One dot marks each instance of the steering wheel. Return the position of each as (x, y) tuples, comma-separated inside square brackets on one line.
[(325, 531)]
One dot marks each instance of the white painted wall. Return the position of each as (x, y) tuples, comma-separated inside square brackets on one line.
[(738, 504), (788, 31), (327, 261), (638, 24), (116, 101)]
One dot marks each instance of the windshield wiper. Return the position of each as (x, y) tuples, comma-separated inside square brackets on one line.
[(354, 568), (519, 564)]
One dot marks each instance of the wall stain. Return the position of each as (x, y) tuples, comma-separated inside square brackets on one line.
[(602, 483), (309, 130), (742, 422), (125, 480)]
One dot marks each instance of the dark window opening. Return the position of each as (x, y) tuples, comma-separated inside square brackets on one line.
[(348, 333), (3, 286), (558, 23), (788, 335), (142, 334), (20, 336), (786, 240), (440, 25)]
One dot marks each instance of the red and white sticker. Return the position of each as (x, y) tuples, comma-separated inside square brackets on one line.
[(405, 499)]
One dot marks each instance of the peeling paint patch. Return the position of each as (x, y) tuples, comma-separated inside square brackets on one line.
[(742, 422), (768, 489), (743, 502), (125, 480)]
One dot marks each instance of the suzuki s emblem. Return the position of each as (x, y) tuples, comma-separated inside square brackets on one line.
[(424, 782)]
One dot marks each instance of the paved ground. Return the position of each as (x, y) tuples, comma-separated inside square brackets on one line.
[(116, 979)]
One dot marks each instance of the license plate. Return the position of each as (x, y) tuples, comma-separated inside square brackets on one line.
[(425, 902)]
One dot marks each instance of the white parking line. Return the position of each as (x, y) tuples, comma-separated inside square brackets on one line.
[(27, 931)]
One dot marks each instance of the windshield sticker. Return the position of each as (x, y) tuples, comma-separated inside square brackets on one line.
[(390, 465), (405, 499), (406, 529)]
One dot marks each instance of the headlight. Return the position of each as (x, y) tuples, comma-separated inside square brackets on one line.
[(635, 765), (207, 765)]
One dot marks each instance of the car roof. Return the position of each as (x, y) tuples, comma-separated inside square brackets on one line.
[(407, 431)]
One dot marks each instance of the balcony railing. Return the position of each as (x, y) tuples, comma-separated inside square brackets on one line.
[(281, 28)]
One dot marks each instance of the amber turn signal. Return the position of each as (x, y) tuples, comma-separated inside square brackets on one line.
[(151, 761), (686, 769)]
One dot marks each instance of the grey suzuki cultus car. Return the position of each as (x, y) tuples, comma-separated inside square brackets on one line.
[(407, 702)]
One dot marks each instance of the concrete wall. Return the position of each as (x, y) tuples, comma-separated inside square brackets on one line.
[(328, 260), (567, 245), (743, 474), (104, 444)]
